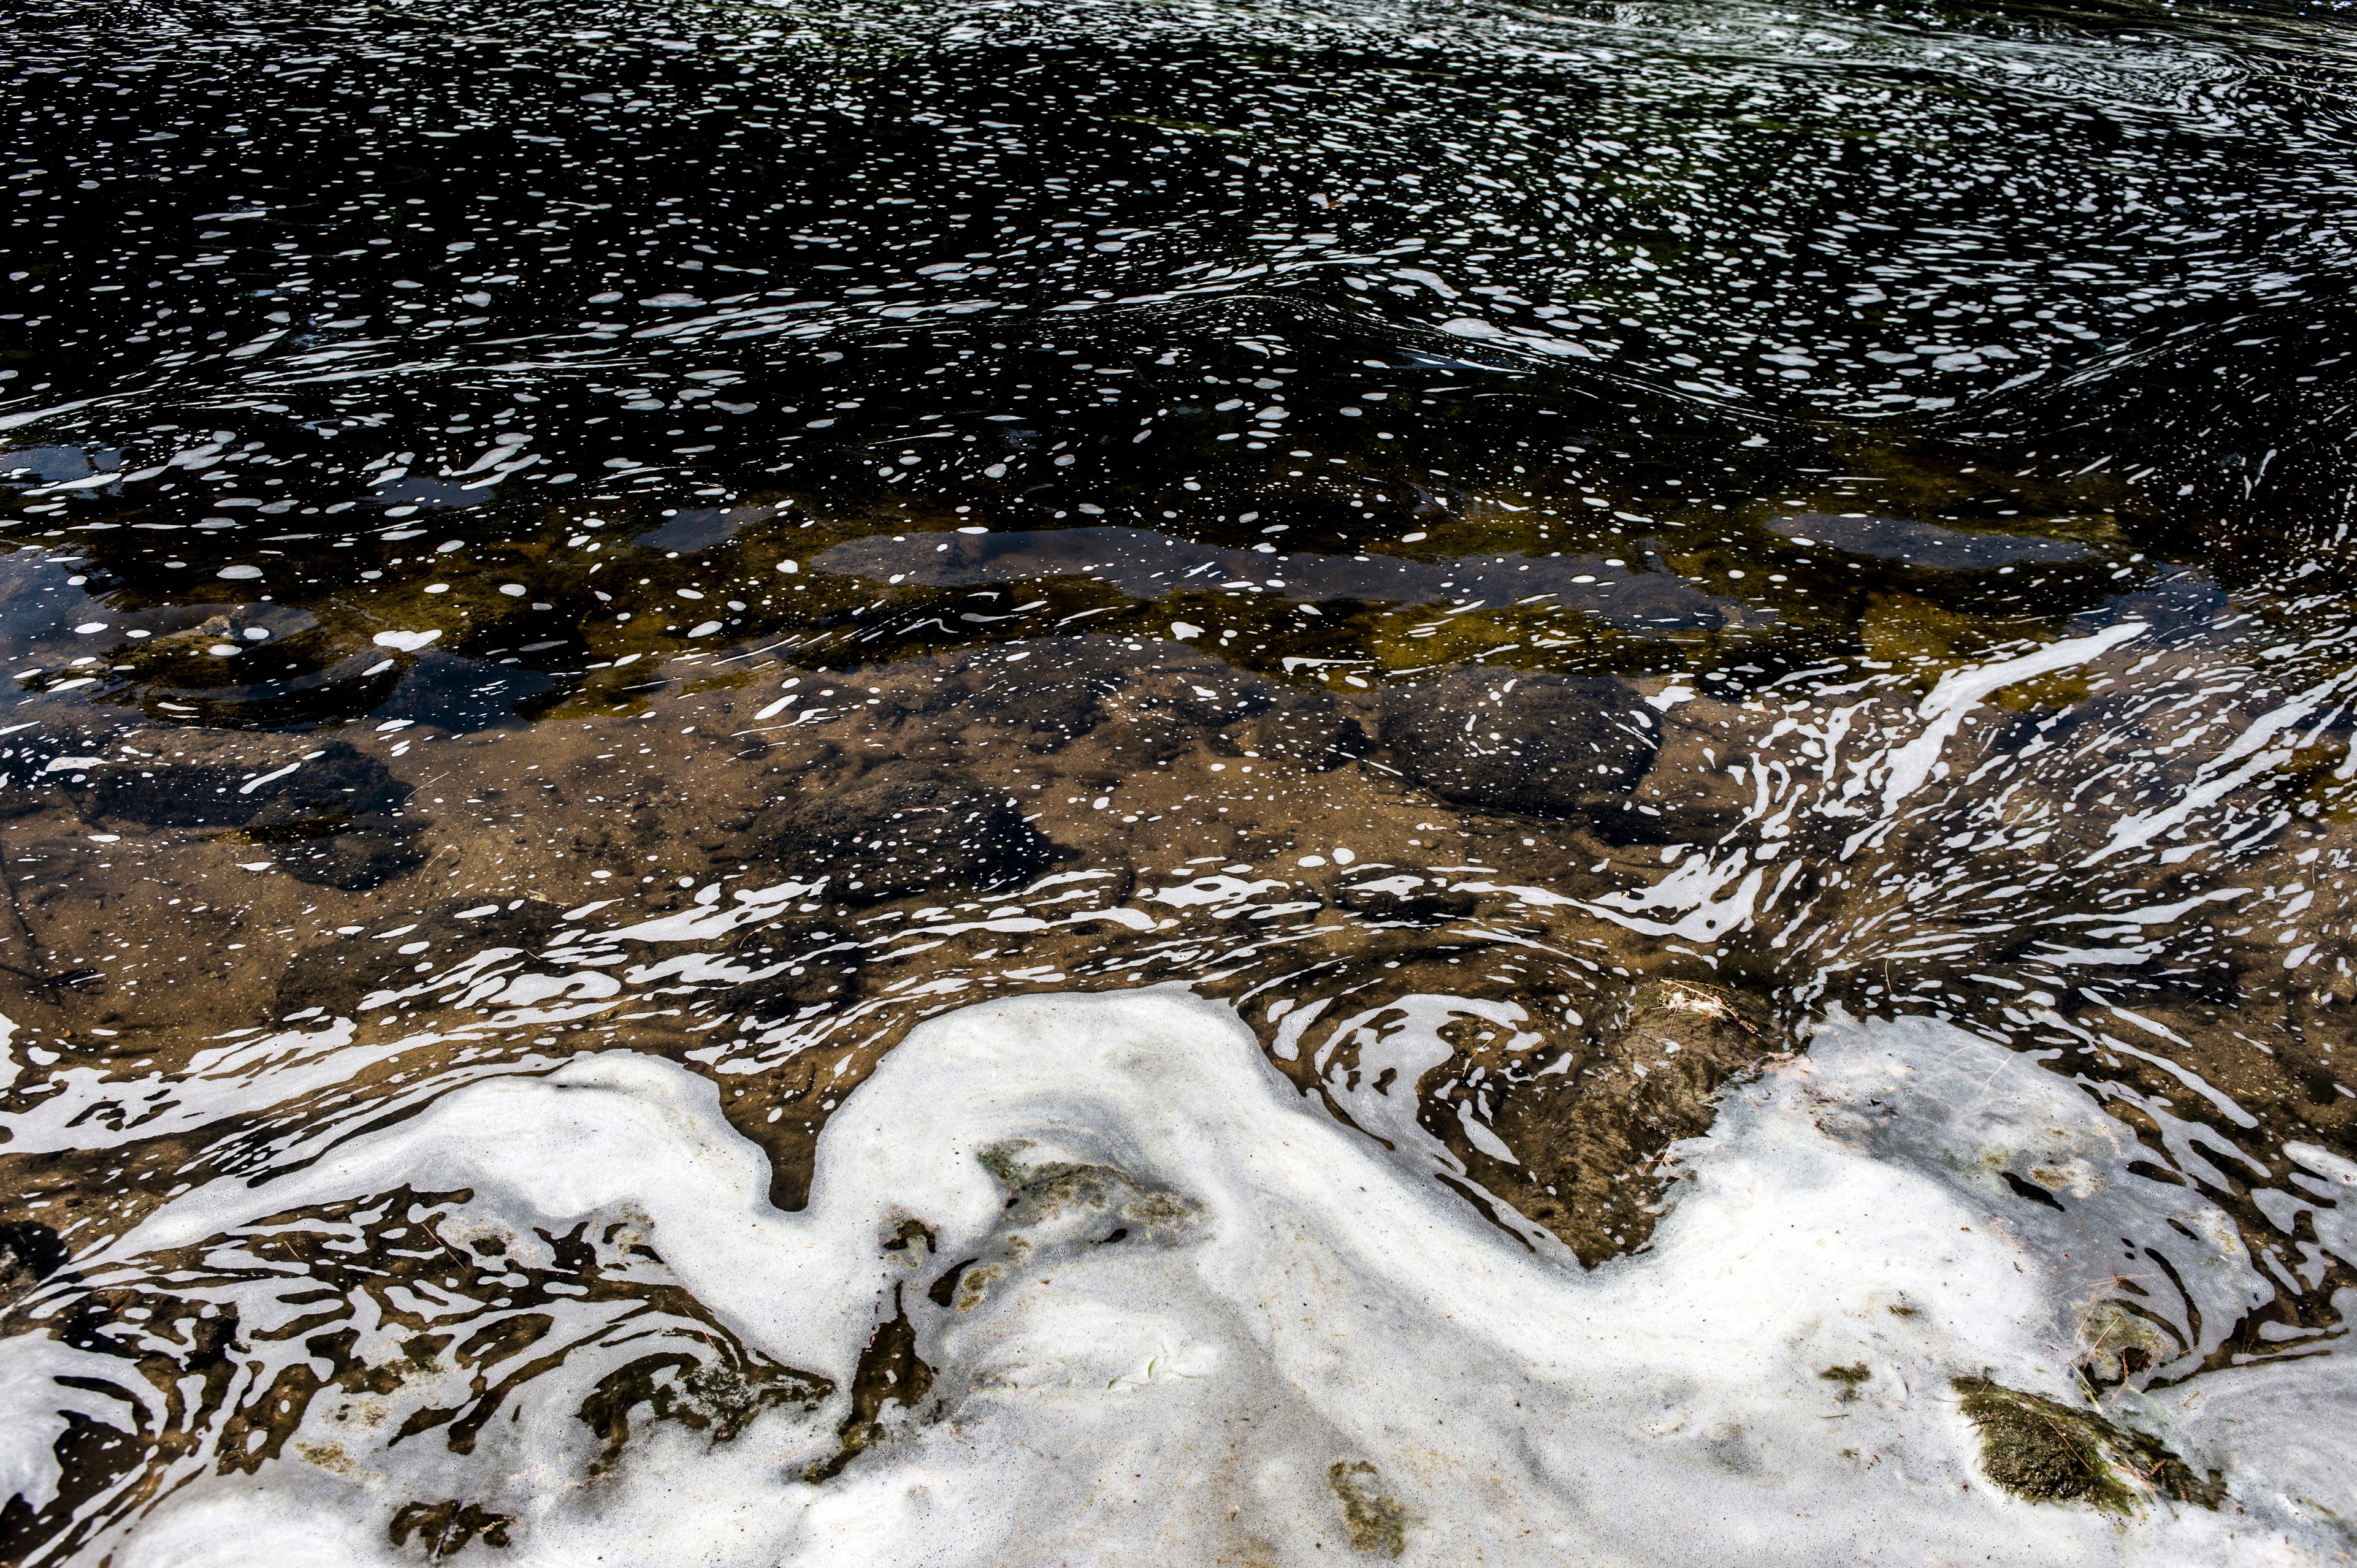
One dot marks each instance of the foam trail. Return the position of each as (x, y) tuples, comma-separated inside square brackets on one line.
[(2252, 754), (1197, 1317), (1961, 690)]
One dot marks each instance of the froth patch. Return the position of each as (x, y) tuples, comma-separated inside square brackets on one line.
[(1086, 1281)]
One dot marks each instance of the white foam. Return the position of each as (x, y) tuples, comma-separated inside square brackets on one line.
[(88, 1109), (1182, 1398), (1960, 691), (2259, 748)]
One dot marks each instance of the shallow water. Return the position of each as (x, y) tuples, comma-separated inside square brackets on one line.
[(1596, 578)]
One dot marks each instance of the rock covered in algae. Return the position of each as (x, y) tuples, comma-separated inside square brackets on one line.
[(2048, 1452)]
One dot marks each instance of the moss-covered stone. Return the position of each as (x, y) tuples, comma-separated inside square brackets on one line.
[(2048, 1452)]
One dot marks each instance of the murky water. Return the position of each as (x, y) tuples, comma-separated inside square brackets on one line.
[(1725, 630)]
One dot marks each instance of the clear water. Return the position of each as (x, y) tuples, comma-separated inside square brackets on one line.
[(1544, 557)]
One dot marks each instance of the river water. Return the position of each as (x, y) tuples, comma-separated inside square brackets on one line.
[(1177, 783)]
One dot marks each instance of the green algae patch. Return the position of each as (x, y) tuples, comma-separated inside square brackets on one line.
[(1902, 628), (2046, 1452), (1913, 631), (1378, 1524), (1058, 1208)]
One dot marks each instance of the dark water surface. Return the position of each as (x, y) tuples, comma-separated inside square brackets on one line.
[(1487, 538)]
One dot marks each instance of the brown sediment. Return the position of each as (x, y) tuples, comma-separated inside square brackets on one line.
[(941, 781), (443, 1528), (1589, 1119), (890, 1372), (674, 787)]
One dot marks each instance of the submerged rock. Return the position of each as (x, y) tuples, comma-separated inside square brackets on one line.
[(902, 829), (1538, 745), (1587, 1129), (1925, 544), (1146, 565), (336, 782), (332, 817)]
